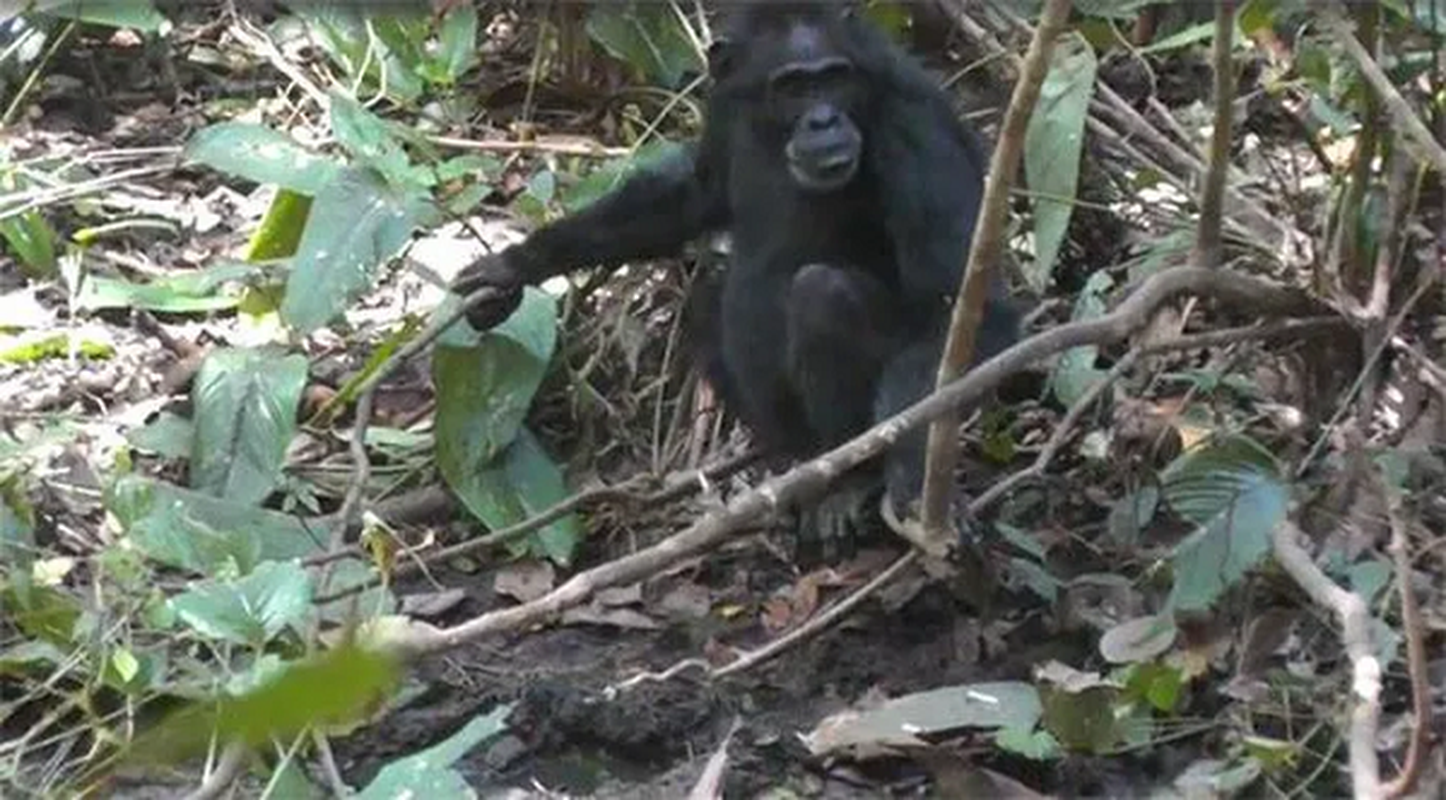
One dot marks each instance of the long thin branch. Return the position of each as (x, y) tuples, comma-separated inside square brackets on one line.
[(984, 251), (1245, 293)]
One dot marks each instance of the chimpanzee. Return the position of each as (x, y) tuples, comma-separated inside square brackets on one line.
[(849, 188)]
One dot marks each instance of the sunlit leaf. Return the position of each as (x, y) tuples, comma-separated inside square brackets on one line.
[(184, 293), (250, 610), (209, 535), (260, 154), (357, 223)]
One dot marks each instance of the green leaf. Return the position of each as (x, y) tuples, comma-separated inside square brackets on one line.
[(1233, 491), (1084, 719), (647, 37), (1132, 513), (249, 611), (40, 612), (608, 175), (335, 687), (520, 484), (485, 382), (1052, 148), (262, 155), (357, 223), (138, 14), (33, 241), (370, 140), (204, 534), (186, 293), (429, 773), (280, 230), (245, 416), (167, 435), (457, 49), (32, 346)]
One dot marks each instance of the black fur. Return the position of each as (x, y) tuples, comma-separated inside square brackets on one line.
[(833, 309)]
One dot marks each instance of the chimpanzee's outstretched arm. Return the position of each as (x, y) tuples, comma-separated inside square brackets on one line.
[(651, 215)]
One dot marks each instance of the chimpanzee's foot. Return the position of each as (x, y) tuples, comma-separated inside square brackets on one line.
[(832, 529)]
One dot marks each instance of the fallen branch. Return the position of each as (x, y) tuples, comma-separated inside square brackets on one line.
[(1243, 292), (1355, 621)]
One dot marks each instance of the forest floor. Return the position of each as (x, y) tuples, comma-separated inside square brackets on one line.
[(581, 725)]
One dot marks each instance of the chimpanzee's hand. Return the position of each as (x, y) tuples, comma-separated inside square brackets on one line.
[(494, 271)]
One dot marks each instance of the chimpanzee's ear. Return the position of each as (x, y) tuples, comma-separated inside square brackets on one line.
[(720, 57)]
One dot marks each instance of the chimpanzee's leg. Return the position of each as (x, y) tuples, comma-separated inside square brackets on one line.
[(842, 331)]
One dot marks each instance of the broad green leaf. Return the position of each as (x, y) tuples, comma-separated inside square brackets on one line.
[(248, 611), (138, 14), (245, 416), (184, 293), (647, 37), (429, 773), (209, 535), (280, 230), (457, 49), (370, 140), (342, 31), (1052, 148), (1233, 491), (167, 435), (1084, 719), (39, 612), (357, 223), (339, 686), (484, 389), (262, 155), (519, 484), (33, 242)]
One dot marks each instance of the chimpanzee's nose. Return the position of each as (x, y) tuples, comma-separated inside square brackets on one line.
[(821, 117)]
